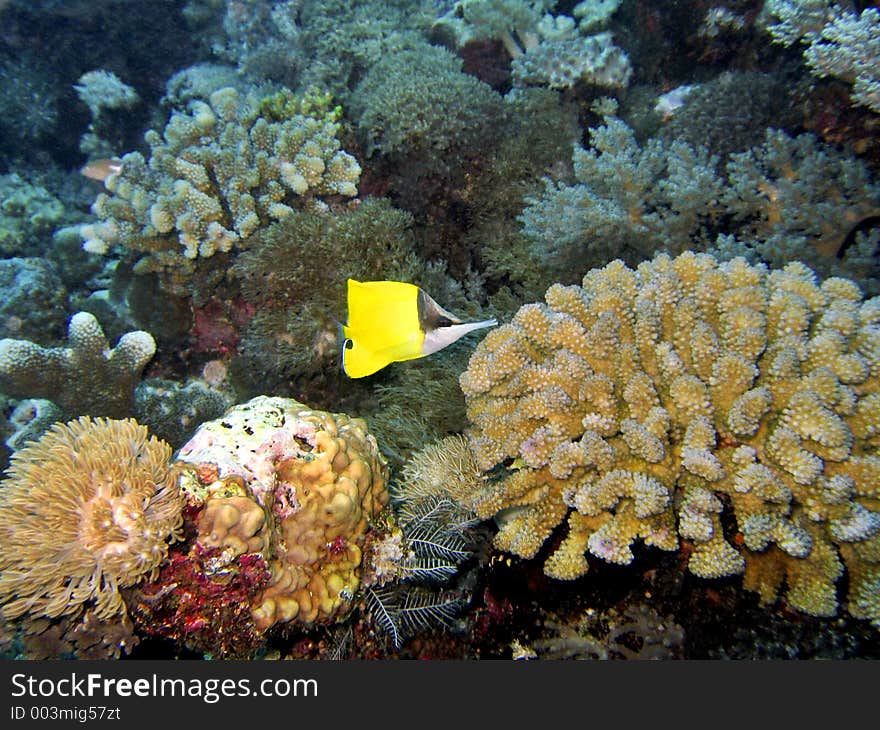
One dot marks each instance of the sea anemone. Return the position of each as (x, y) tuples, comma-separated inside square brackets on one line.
[(85, 510)]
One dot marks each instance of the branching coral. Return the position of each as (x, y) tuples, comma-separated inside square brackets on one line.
[(86, 377), (793, 198), (838, 42), (102, 92), (789, 21), (797, 199), (545, 49), (513, 22), (648, 404), (789, 198), (86, 510), (216, 175), (628, 199), (849, 49), (561, 63)]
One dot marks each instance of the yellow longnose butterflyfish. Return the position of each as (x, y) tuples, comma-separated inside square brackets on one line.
[(393, 321)]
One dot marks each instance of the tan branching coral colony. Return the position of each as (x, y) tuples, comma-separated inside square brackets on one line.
[(731, 407), (86, 510)]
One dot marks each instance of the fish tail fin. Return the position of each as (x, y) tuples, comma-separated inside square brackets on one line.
[(342, 342)]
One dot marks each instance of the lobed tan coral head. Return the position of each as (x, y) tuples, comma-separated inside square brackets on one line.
[(85, 510), (300, 487)]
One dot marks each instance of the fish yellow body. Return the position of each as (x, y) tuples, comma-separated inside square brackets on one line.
[(393, 321)]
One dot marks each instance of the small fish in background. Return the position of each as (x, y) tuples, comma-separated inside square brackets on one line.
[(670, 102), (101, 169), (393, 321)]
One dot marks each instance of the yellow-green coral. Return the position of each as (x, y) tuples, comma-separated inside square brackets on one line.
[(647, 403), (314, 103)]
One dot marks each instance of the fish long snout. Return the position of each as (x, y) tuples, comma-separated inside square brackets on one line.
[(441, 337)]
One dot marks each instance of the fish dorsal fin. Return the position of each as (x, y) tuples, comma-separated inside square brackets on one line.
[(441, 327)]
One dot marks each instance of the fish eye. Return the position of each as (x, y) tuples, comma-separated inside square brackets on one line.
[(348, 344)]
